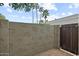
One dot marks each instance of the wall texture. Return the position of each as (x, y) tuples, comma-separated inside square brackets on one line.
[(4, 37), (27, 39)]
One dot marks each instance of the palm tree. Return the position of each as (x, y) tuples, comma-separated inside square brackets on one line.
[(41, 10), (1, 4), (21, 6), (32, 8), (41, 21), (45, 14), (26, 7), (37, 7)]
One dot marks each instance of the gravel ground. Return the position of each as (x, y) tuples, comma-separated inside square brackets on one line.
[(53, 52)]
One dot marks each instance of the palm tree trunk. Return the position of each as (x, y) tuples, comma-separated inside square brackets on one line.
[(32, 16), (45, 20), (40, 16), (37, 14)]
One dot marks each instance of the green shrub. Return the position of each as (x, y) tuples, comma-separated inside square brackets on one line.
[(2, 17)]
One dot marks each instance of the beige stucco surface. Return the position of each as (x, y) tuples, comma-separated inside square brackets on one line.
[(21, 39)]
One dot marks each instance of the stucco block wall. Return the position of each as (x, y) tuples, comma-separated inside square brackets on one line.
[(56, 36), (22, 39), (4, 37), (29, 39)]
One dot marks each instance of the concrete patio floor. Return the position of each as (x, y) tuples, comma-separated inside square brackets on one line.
[(54, 52)]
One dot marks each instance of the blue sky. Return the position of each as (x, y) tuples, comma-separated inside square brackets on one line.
[(56, 10)]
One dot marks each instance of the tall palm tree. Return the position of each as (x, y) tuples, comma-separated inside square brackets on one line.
[(41, 21), (32, 16), (26, 7), (37, 7), (45, 14), (32, 8), (41, 10)]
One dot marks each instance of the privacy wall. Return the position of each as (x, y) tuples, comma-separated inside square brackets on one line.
[(23, 39), (4, 37)]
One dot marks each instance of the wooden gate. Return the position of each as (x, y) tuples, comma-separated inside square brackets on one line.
[(69, 37)]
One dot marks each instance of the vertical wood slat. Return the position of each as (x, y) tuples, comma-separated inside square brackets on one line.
[(69, 37)]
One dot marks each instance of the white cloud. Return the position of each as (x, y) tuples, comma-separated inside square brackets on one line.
[(49, 6), (23, 17), (69, 13), (70, 6), (6, 5), (9, 10), (63, 14), (20, 11), (14, 15), (76, 5), (52, 17)]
